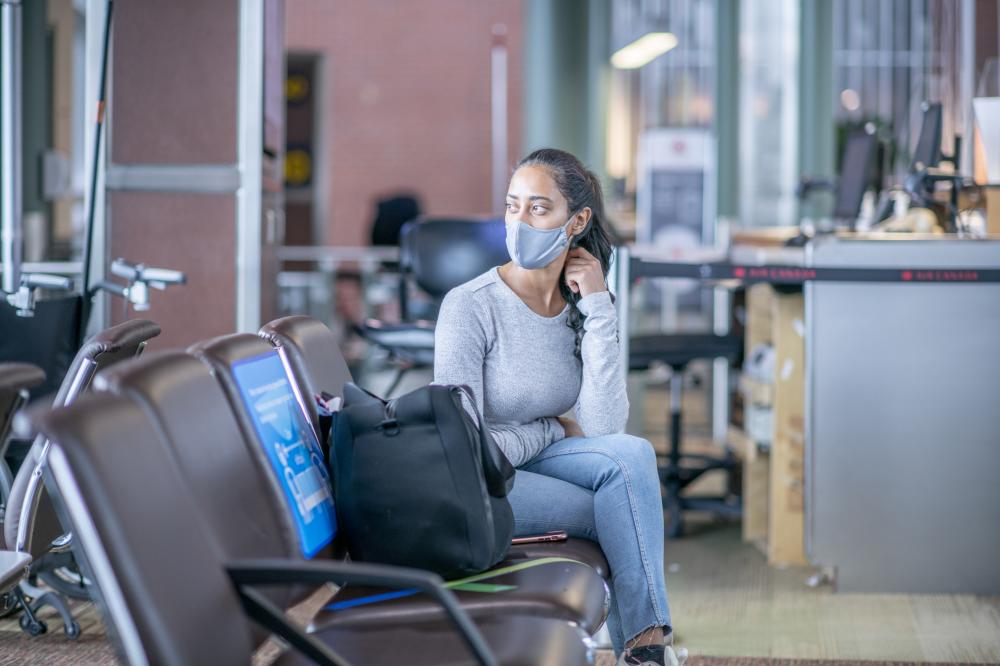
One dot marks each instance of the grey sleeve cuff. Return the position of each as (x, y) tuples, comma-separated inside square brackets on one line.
[(596, 303)]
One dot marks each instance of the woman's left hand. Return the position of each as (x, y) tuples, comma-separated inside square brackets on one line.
[(583, 273), (570, 427)]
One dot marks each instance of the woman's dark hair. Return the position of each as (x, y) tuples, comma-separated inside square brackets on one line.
[(582, 189)]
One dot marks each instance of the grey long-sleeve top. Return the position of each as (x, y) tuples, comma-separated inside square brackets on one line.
[(521, 367)]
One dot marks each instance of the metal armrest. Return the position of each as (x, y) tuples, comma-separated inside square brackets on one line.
[(261, 610), (285, 572)]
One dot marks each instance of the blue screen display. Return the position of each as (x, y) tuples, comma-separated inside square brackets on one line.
[(290, 443)]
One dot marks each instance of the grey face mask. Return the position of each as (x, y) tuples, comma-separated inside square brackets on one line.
[(533, 248)]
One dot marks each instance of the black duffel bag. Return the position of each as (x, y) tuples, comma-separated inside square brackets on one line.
[(419, 483)]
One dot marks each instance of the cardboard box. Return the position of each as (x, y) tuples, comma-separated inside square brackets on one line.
[(993, 210), (786, 515)]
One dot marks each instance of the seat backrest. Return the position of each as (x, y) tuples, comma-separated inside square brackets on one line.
[(221, 354), (313, 354), (219, 464), (141, 538), (927, 151), (390, 215), (222, 469), (441, 254), (106, 348)]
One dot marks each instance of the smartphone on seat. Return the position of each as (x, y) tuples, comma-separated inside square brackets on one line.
[(548, 537)]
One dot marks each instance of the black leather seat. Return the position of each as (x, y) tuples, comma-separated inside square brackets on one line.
[(172, 599), (570, 591), (437, 644), (205, 444), (437, 255), (318, 366), (679, 469), (552, 590), (252, 519), (582, 550), (679, 350)]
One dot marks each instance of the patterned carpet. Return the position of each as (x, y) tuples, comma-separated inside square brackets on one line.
[(92, 647)]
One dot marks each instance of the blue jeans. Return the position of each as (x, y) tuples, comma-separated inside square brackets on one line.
[(605, 489)]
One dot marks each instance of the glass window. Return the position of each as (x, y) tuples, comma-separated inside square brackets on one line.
[(888, 58)]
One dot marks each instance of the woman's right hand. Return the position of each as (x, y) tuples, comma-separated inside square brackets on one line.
[(571, 427)]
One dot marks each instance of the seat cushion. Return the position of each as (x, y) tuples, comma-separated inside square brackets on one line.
[(581, 550), (679, 350), (563, 590), (515, 641), (13, 567), (408, 337)]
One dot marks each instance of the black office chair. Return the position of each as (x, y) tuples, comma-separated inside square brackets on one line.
[(179, 599), (856, 165), (391, 215), (680, 470), (436, 255)]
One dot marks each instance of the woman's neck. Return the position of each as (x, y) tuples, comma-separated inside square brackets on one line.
[(539, 289)]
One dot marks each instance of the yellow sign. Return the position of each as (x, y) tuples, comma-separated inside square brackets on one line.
[(298, 168), (296, 88)]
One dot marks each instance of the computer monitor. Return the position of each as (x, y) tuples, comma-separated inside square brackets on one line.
[(855, 173), (928, 150), (291, 447)]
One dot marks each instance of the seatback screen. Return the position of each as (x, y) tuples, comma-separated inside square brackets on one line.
[(290, 445)]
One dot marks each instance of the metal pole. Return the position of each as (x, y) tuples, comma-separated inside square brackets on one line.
[(92, 208), (498, 115), (967, 88), (249, 133), (10, 143)]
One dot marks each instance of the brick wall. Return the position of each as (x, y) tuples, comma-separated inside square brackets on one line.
[(406, 101)]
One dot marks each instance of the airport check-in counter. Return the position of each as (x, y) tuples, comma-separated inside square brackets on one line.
[(900, 468)]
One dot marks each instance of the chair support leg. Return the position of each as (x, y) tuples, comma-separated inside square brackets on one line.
[(395, 382), (57, 602)]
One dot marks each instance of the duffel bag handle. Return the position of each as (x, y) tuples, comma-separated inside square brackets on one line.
[(498, 471)]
